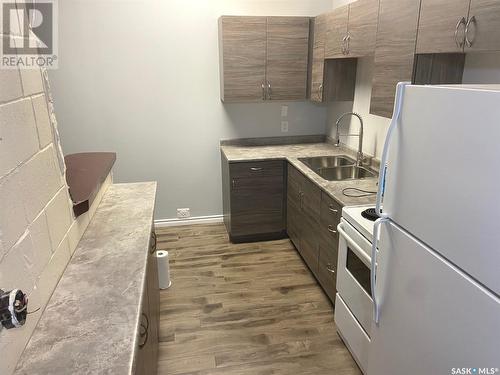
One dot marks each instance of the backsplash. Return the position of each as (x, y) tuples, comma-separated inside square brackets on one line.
[(38, 232)]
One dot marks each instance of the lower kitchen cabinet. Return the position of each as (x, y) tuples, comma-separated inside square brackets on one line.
[(303, 208), (146, 361), (331, 213), (312, 219), (254, 200)]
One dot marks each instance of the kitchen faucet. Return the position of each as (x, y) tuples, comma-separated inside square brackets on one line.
[(359, 156)]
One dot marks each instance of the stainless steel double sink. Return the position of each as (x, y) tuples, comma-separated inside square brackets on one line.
[(337, 168)]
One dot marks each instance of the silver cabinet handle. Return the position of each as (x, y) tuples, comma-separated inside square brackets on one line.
[(269, 90), (459, 42), (343, 48), (347, 39), (329, 268), (332, 209), (263, 91), (331, 229), (256, 169), (144, 333), (320, 92), (468, 41), (233, 183)]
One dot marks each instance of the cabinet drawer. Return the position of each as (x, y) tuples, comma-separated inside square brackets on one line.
[(327, 267), (256, 169), (331, 212)]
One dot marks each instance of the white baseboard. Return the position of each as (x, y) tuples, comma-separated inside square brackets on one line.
[(212, 219)]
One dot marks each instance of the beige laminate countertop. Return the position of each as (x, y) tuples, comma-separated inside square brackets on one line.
[(91, 323), (291, 153)]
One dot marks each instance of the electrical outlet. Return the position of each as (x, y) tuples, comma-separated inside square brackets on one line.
[(284, 111), (183, 213), (284, 126)]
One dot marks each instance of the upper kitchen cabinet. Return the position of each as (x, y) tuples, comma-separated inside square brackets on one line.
[(336, 32), (483, 31), (458, 26), (287, 57), (352, 29), (394, 52), (441, 27), (333, 79), (318, 58), (362, 28), (263, 58), (242, 51)]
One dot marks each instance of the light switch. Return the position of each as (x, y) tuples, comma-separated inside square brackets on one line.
[(284, 111)]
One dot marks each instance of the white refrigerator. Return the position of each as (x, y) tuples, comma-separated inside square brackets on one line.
[(436, 278)]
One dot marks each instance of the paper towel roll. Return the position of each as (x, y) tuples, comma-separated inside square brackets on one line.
[(163, 269)]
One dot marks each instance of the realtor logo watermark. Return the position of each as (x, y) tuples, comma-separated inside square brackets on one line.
[(474, 371), (29, 34)]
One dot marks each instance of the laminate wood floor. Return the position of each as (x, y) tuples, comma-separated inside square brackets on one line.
[(243, 309)]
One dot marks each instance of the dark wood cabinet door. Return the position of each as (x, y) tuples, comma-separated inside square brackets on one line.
[(242, 46), (311, 200), (331, 212), (257, 198), (438, 22), (362, 28), (293, 223), (294, 204), (309, 243), (287, 57), (394, 52), (311, 203), (484, 28), (336, 31), (318, 58)]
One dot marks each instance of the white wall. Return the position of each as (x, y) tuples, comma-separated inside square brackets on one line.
[(479, 68), (142, 78)]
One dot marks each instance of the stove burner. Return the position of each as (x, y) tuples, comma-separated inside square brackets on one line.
[(370, 214)]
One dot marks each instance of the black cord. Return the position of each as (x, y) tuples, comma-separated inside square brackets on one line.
[(32, 312), (363, 193)]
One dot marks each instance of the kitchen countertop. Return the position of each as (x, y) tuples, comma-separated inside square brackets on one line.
[(91, 321), (291, 153)]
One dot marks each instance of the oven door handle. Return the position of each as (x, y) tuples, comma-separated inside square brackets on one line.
[(373, 267), (357, 249)]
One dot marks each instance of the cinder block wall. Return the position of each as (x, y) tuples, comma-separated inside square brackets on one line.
[(38, 232), (36, 242)]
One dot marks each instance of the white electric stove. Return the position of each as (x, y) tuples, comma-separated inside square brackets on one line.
[(354, 304), (353, 215)]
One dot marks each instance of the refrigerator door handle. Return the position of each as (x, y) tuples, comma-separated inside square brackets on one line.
[(373, 267), (398, 103)]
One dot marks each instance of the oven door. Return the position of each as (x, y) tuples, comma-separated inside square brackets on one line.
[(353, 275)]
